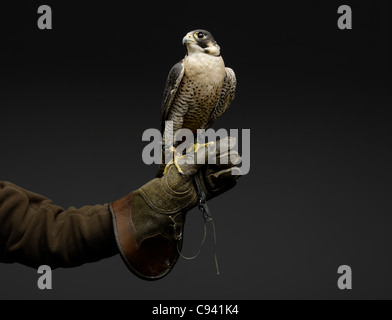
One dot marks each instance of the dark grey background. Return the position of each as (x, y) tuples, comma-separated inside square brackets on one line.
[(75, 100)]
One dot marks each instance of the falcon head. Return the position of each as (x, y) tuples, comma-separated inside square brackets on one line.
[(201, 41)]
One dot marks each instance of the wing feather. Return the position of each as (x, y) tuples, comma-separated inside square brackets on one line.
[(172, 84), (227, 96)]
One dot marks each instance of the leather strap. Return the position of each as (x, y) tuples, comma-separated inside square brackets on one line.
[(203, 207)]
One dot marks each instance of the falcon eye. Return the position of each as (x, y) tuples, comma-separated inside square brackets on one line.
[(199, 35)]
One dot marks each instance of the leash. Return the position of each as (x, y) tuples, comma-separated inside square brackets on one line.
[(206, 214)]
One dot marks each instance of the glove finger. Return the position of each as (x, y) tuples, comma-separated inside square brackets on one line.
[(224, 161), (228, 159), (225, 145), (221, 181), (224, 177)]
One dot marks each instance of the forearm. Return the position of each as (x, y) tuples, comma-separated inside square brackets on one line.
[(34, 231)]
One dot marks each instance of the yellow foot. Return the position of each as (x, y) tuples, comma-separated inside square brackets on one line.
[(176, 164)]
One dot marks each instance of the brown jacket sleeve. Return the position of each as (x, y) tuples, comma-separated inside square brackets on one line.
[(34, 231)]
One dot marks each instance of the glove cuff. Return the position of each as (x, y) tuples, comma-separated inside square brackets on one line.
[(149, 242)]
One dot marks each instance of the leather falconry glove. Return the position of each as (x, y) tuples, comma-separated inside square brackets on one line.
[(149, 222)]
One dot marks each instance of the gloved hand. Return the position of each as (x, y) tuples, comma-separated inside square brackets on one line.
[(149, 221)]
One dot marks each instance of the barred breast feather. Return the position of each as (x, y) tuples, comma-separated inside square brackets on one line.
[(198, 91)]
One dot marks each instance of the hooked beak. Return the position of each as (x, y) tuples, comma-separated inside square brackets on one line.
[(187, 39)]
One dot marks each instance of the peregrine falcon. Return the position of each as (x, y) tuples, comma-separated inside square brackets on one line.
[(199, 88)]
